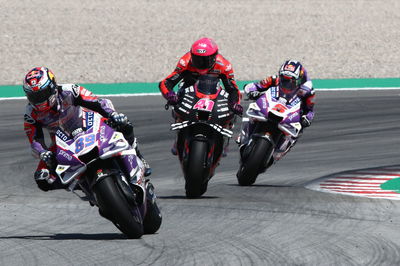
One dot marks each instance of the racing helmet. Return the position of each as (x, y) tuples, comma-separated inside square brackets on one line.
[(290, 76), (204, 53), (40, 88)]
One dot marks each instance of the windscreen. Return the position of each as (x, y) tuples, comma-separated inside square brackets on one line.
[(208, 84)]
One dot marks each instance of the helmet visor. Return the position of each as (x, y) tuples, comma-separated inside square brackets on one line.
[(203, 62), (288, 86), (37, 97)]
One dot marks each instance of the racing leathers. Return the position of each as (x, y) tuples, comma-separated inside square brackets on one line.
[(189, 74), (65, 113), (305, 92)]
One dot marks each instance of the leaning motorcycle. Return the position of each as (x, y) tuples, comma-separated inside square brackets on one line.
[(203, 121), (95, 158), (276, 127)]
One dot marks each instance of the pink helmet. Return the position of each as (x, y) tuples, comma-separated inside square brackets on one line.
[(204, 53)]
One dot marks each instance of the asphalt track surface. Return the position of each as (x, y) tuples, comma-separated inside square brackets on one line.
[(276, 221)]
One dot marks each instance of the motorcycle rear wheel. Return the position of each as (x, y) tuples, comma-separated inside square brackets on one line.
[(254, 162), (113, 204)]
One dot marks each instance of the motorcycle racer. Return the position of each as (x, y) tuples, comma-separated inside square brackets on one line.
[(47, 100), (203, 58), (292, 80)]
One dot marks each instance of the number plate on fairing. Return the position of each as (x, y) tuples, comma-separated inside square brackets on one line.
[(204, 105)]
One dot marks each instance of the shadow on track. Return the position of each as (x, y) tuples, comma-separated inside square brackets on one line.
[(259, 185), (73, 236), (184, 197)]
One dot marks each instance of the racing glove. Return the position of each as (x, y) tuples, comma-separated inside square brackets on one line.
[(269, 81), (236, 108), (305, 122), (118, 119), (172, 98), (49, 158), (253, 95)]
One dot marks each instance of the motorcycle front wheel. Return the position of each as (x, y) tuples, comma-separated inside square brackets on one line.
[(114, 205), (254, 161), (196, 169)]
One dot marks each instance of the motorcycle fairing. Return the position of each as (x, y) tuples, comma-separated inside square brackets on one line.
[(289, 113), (98, 138), (217, 111)]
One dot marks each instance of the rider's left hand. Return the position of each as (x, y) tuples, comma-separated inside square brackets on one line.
[(49, 158), (237, 109)]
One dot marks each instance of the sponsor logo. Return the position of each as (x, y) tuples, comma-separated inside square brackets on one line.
[(29, 119), (292, 116), (182, 62), (264, 103), (89, 119), (61, 135), (75, 90), (289, 67), (65, 155), (228, 68), (102, 133), (217, 71), (201, 51)]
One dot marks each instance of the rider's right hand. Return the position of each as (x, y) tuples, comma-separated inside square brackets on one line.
[(253, 95), (118, 119), (172, 98)]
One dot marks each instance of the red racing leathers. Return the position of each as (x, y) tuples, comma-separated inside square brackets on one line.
[(186, 72)]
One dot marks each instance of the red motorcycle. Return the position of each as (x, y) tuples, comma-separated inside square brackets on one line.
[(204, 122)]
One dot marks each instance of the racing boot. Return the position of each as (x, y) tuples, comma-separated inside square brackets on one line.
[(151, 196), (225, 149), (147, 168), (44, 179)]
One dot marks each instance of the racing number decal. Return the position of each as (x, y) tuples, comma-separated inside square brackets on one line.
[(84, 143), (280, 108), (204, 104)]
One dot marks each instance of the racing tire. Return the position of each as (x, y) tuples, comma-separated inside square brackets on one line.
[(196, 185), (115, 207), (152, 220), (254, 162)]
